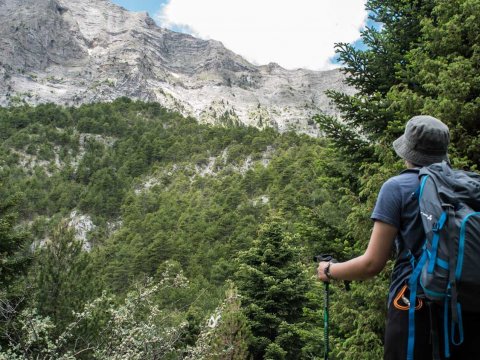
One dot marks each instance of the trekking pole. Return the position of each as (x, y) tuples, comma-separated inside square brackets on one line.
[(326, 303), (326, 319)]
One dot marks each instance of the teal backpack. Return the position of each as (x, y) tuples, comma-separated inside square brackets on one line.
[(448, 269)]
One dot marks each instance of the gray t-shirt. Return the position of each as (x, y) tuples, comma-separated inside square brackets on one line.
[(396, 205)]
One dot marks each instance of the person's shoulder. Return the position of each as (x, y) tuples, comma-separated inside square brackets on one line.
[(408, 179)]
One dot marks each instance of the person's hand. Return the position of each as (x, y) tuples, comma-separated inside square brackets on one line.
[(321, 271)]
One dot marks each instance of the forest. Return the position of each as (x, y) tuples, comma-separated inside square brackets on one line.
[(131, 232)]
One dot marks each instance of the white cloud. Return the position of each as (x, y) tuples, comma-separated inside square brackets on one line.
[(299, 33)]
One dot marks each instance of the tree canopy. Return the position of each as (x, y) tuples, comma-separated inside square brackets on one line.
[(130, 222)]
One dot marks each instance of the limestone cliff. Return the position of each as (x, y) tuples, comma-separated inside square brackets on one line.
[(72, 52)]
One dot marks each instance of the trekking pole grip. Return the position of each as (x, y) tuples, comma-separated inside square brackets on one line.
[(328, 257)]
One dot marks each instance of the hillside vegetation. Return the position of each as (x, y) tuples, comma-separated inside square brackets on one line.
[(116, 195), (131, 232)]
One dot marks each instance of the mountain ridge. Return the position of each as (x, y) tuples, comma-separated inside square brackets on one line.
[(93, 50)]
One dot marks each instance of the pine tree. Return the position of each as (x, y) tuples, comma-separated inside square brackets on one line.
[(442, 75), (63, 277), (424, 60), (13, 257), (226, 334), (14, 261), (273, 284), (373, 72), (232, 335)]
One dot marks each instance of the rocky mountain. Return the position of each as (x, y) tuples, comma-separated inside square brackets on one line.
[(73, 52)]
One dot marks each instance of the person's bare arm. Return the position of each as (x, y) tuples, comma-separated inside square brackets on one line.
[(371, 262)]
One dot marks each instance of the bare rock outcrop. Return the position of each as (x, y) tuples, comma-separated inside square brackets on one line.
[(73, 52)]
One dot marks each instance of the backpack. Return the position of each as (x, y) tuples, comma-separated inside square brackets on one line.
[(448, 269)]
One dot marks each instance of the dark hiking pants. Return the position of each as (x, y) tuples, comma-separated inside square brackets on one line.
[(396, 334)]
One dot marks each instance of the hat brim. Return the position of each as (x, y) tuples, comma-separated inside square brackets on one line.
[(415, 157)]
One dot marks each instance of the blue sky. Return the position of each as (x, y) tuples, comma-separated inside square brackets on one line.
[(292, 34), (152, 6)]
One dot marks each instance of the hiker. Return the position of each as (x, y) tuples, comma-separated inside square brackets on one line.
[(397, 220)]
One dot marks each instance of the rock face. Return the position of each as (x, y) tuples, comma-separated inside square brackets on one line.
[(72, 52)]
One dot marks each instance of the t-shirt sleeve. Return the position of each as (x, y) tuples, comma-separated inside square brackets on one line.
[(389, 204)]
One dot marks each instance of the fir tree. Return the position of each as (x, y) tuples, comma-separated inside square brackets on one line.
[(373, 72), (63, 276), (14, 260), (13, 257), (274, 285), (226, 334)]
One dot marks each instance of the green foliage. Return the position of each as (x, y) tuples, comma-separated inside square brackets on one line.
[(424, 60), (373, 72), (167, 195), (63, 276), (134, 329), (14, 261), (13, 255), (445, 69), (274, 286), (226, 333), (161, 191)]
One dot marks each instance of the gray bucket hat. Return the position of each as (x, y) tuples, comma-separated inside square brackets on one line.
[(424, 142)]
